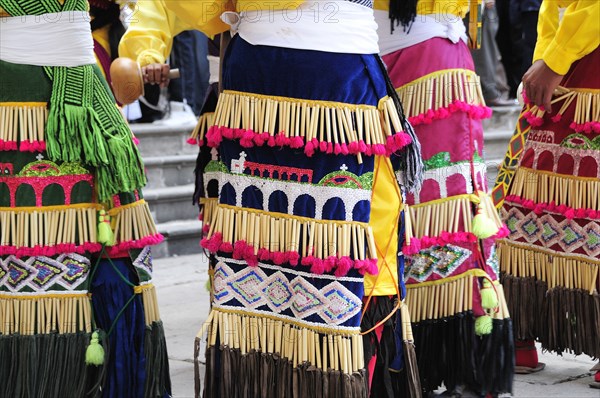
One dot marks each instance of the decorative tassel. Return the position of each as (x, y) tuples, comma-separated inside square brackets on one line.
[(483, 227), (94, 354), (105, 232), (489, 297), (483, 325)]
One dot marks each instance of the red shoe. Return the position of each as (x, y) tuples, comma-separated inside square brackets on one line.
[(526, 357)]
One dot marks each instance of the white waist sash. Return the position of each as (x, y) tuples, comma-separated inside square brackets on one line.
[(424, 27), (57, 39), (323, 25)]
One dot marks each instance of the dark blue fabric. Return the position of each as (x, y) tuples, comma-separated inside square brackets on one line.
[(189, 55), (357, 288), (321, 166), (348, 78), (126, 368)]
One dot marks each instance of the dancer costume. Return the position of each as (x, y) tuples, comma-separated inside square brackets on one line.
[(73, 223), (450, 268), (309, 214), (550, 260)]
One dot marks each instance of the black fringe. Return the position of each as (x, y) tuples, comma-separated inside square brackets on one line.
[(449, 352), (158, 380), (257, 374), (47, 365), (402, 12), (411, 160), (387, 382), (562, 319)]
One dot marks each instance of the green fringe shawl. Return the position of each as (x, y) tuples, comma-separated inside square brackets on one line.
[(84, 124)]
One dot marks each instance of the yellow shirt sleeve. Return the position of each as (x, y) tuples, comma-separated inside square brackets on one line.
[(149, 37), (205, 15), (561, 43)]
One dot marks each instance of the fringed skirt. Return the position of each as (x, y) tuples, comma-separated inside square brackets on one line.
[(296, 167), (550, 261), (448, 265), (51, 260)]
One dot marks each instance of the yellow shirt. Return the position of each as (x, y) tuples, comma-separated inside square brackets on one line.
[(424, 7), (560, 43), (149, 38)]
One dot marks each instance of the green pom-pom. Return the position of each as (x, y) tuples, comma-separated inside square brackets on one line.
[(483, 227), (105, 232), (94, 355), (483, 325), (208, 285), (489, 298)]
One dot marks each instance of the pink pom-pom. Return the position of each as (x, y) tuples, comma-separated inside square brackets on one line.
[(271, 141), (353, 147), (317, 266), (247, 140), (593, 213), (238, 249), (278, 258), (345, 150), (362, 147), (309, 149), (293, 257), (252, 261), (329, 147), (556, 118), (307, 261), (228, 133), (344, 266), (570, 214), (378, 149), (248, 251), (372, 268), (226, 247), (263, 254), (337, 149), (191, 141), (213, 137), (329, 263), (281, 140), (323, 146), (296, 142), (205, 229), (443, 113)]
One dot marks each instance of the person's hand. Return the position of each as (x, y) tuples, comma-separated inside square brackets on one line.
[(490, 3), (156, 74), (539, 83)]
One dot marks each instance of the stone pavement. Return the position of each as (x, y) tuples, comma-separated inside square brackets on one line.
[(184, 304)]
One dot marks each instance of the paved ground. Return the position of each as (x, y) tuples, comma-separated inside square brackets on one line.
[(183, 300)]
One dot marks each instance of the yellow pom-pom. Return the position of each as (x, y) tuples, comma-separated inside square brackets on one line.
[(94, 354), (483, 227), (483, 325), (105, 232), (489, 297)]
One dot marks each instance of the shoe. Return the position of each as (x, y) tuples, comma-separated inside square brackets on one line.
[(525, 370), (502, 102)]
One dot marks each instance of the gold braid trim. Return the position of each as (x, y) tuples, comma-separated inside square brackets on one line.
[(449, 296), (544, 187), (204, 122), (23, 121), (279, 232), (451, 214), (586, 101), (328, 121), (440, 89), (324, 348), (48, 226), (556, 269), (132, 222), (43, 314)]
